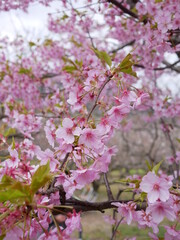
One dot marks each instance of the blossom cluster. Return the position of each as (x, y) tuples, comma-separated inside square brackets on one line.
[(79, 95)]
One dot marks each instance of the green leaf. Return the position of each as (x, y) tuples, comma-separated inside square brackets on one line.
[(157, 166), (178, 139), (40, 177), (126, 66), (103, 56), (148, 165), (64, 17), (79, 63), (13, 143), (77, 44), (14, 191), (9, 132), (6, 182), (69, 69), (158, 1), (143, 196), (25, 71), (2, 236), (31, 44), (48, 42), (12, 196)]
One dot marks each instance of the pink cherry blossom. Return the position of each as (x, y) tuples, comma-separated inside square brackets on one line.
[(67, 131), (90, 138), (159, 210), (145, 220), (13, 161), (126, 210), (155, 187), (172, 233), (85, 176), (72, 222), (117, 113)]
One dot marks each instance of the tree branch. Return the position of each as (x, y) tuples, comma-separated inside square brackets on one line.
[(85, 206), (124, 9), (123, 46), (96, 101), (108, 189)]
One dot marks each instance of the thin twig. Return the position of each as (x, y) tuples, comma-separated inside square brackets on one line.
[(108, 188), (96, 101), (116, 228), (64, 161), (124, 9), (123, 46)]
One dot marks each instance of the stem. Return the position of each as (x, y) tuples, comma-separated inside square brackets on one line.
[(116, 228), (96, 101), (55, 222), (108, 188), (124, 9), (64, 161)]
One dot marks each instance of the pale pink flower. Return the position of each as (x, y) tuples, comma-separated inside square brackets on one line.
[(117, 113), (72, 223), (85, 176), (143, 97), (172, 233), (126, 210), (159, 210), (145, 220), (67, 131), (128, 97), (155, 187), (90, 138), (13, 161), (50, 132), (46, 156)]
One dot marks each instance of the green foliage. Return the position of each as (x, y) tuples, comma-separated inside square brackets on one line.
[(6, 181), (14, 191), (48, 42), (156, 167), (135, 181), (77, 44), (148, 165), (31, 44), (13, 143), (40, 177), (2, 236), (26, 71), (103, 56), (126, 66), (69, 69), (9, 132), (19, 192)]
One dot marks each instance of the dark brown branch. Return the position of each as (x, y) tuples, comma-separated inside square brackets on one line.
[(168, 66), (108, 188), (85, 206), (64, 161), (173, 149), (123, 46), (124, 9), (50, 75), (3, 116)]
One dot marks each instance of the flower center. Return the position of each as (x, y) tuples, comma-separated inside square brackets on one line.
[(156, 187)]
